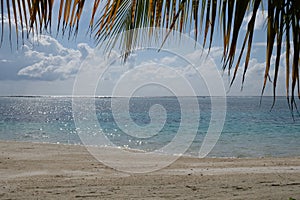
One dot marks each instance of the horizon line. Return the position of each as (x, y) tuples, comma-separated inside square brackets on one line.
[(86, 96)]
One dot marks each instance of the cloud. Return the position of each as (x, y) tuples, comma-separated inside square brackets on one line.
[(168, 60), (53, 66), (40, 58), (53, 61)]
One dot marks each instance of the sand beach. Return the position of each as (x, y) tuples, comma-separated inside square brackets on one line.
[(55, 171)]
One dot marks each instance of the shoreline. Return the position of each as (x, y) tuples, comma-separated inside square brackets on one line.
[(143, 151), (42, 170)]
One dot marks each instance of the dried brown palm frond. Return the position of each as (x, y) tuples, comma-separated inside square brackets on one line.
[(36, 15), (283, 26)]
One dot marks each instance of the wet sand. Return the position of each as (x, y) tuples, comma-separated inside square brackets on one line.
[(53, 171)]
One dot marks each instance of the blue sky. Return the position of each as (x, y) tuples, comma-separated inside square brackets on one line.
[(50, 65)]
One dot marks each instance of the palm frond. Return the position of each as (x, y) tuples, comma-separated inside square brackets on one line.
[(279, 28), (283, 27)]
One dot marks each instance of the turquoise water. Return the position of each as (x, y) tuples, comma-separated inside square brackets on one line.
[(250, 130)]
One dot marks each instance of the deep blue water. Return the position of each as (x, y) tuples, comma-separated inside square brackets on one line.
[(250, 130)]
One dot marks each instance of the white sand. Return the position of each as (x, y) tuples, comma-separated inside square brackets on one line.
[(49, 171)]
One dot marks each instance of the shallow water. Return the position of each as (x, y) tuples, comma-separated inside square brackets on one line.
[(250, 130)]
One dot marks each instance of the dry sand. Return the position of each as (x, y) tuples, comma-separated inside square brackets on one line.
[(50, 171)]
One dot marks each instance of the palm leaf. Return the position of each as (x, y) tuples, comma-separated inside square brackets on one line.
[(250, 30), (207, 21), (195, 17), (21, 19), (278, 52), (213, 19), (295, 73), (270, 41), (181, 15), (9, 19), (95, 7), (240, 11), (2, 22), (16, 20), (287, 54)]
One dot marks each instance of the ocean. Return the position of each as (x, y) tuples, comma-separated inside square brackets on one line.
[(250, 129)]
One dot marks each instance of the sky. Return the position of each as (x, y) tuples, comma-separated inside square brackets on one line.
[(50, 64)]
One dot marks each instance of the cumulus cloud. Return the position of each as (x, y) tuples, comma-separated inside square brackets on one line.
[(42, 58), (53, 61), (168, 60)]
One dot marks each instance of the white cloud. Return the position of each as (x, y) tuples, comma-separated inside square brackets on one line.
[(254, 80), (53, 61), (42, 58), (168, 60)]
